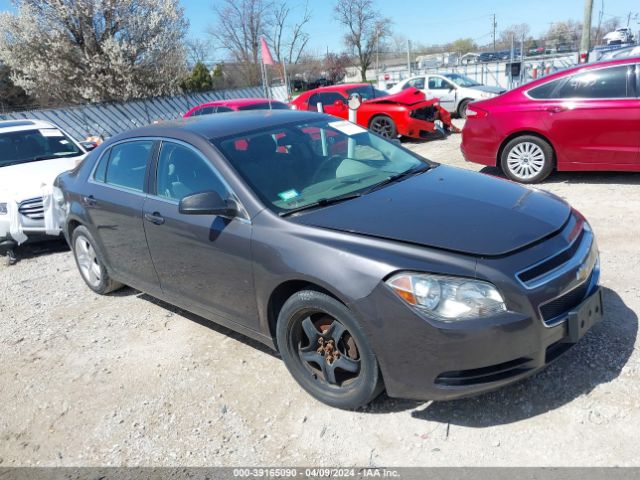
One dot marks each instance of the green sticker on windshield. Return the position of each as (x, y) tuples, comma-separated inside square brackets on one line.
[(288, 195)]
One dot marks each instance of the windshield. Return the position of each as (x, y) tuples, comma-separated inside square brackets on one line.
[(461, 80), (367, 92), (297, 165), (33, 145)]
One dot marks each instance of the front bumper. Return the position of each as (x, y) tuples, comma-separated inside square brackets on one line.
[(422, 359)]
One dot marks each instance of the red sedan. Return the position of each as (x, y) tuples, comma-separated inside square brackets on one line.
[(236, 104), (406, 113), (583, 118)]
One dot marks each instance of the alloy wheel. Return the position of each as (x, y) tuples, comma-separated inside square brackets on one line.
[(526, 160), (328, 351), (383, 126), (88, 261)]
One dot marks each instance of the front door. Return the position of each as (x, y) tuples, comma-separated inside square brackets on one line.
[(202, 260), (442, 89)]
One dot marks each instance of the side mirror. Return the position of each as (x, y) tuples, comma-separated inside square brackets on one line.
[(339, 104), (207, 203), (88, 146)]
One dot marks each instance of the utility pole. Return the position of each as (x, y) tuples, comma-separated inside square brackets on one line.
[(409, 56), (494, 25), (585, 44)]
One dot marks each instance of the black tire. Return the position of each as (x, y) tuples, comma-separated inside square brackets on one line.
[(102, 283), (540, 159), (354, 387), (383, 126), (462, 108)]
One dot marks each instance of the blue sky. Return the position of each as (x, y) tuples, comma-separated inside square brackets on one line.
[(430, 22)]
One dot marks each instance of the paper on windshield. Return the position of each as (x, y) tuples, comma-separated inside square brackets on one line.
[(51, 132), (347, 128)]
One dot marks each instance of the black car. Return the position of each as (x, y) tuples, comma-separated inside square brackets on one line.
[(364, 265)]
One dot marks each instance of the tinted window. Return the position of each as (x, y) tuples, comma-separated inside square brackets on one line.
[(545, 90), (329, 98), (265, 106), (205, 111), (224, 109), (367, 92), (602, 83), (127, 164), (182, 171)]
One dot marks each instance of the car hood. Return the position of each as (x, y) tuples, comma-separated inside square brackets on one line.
[(25, 180), (488, 89), (408, 96), (450, 209)]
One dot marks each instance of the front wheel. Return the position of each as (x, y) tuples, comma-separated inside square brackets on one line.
[(383, 126), (527, 159), (326, 352)]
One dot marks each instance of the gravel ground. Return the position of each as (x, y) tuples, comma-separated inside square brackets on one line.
[(128, 380)]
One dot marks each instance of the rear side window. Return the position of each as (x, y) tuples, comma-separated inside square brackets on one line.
[(545, 90), (126, 165), (224, 109), (265, 106), (204, 111), (603, 83)]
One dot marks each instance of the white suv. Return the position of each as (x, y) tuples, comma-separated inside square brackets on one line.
[(32, 154)]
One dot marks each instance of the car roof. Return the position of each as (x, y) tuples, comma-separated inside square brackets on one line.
[(7, 126), (579, 68), (222, 125), (238, 102)]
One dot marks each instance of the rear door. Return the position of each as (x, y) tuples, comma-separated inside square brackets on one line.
[(593, 119), (202, 260), (114, 201)]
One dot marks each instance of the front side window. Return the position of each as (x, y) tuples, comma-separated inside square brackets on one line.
[(298, 165), (602, 83), (182, 171), (126, 165), (35, 145), (416, 83), (437, 83), (265, 106), (367, 92), (205, 111)]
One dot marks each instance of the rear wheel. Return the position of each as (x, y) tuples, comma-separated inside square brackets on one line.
[(90, 264), (527, 159), (383, 126), (326, 352)]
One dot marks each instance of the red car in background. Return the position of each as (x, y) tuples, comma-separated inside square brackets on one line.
[(235, 105), (583, 118), (406, 113)]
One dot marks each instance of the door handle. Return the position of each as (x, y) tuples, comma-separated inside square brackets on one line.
[(556, 109), (154, 218), (89, 200)]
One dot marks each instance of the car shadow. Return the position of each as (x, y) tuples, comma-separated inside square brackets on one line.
[(37, 249), (595, 178), (597, 359)]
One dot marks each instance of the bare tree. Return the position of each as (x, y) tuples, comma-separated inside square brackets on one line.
[(517, 32), (287, 39), (366, 29), (238, 28), (198, 50), (94, 50)]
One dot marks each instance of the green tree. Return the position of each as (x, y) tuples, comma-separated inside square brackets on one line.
[(463, 45), (200, 80)]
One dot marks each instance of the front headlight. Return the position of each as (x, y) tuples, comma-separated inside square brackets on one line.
[(3, 209), (487, 95), (448, 298)]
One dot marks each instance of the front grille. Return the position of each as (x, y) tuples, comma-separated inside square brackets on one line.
[(553, 311), (429, 114), (488, 374), (33, 209), (541, 269)]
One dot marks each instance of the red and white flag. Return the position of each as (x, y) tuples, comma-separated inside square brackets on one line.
[(267, 59)]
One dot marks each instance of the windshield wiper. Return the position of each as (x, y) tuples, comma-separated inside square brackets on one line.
[(323, 202), (399, 176)]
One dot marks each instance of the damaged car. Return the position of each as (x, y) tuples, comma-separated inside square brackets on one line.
[(407, 113), (32, 154), (366, 266)]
